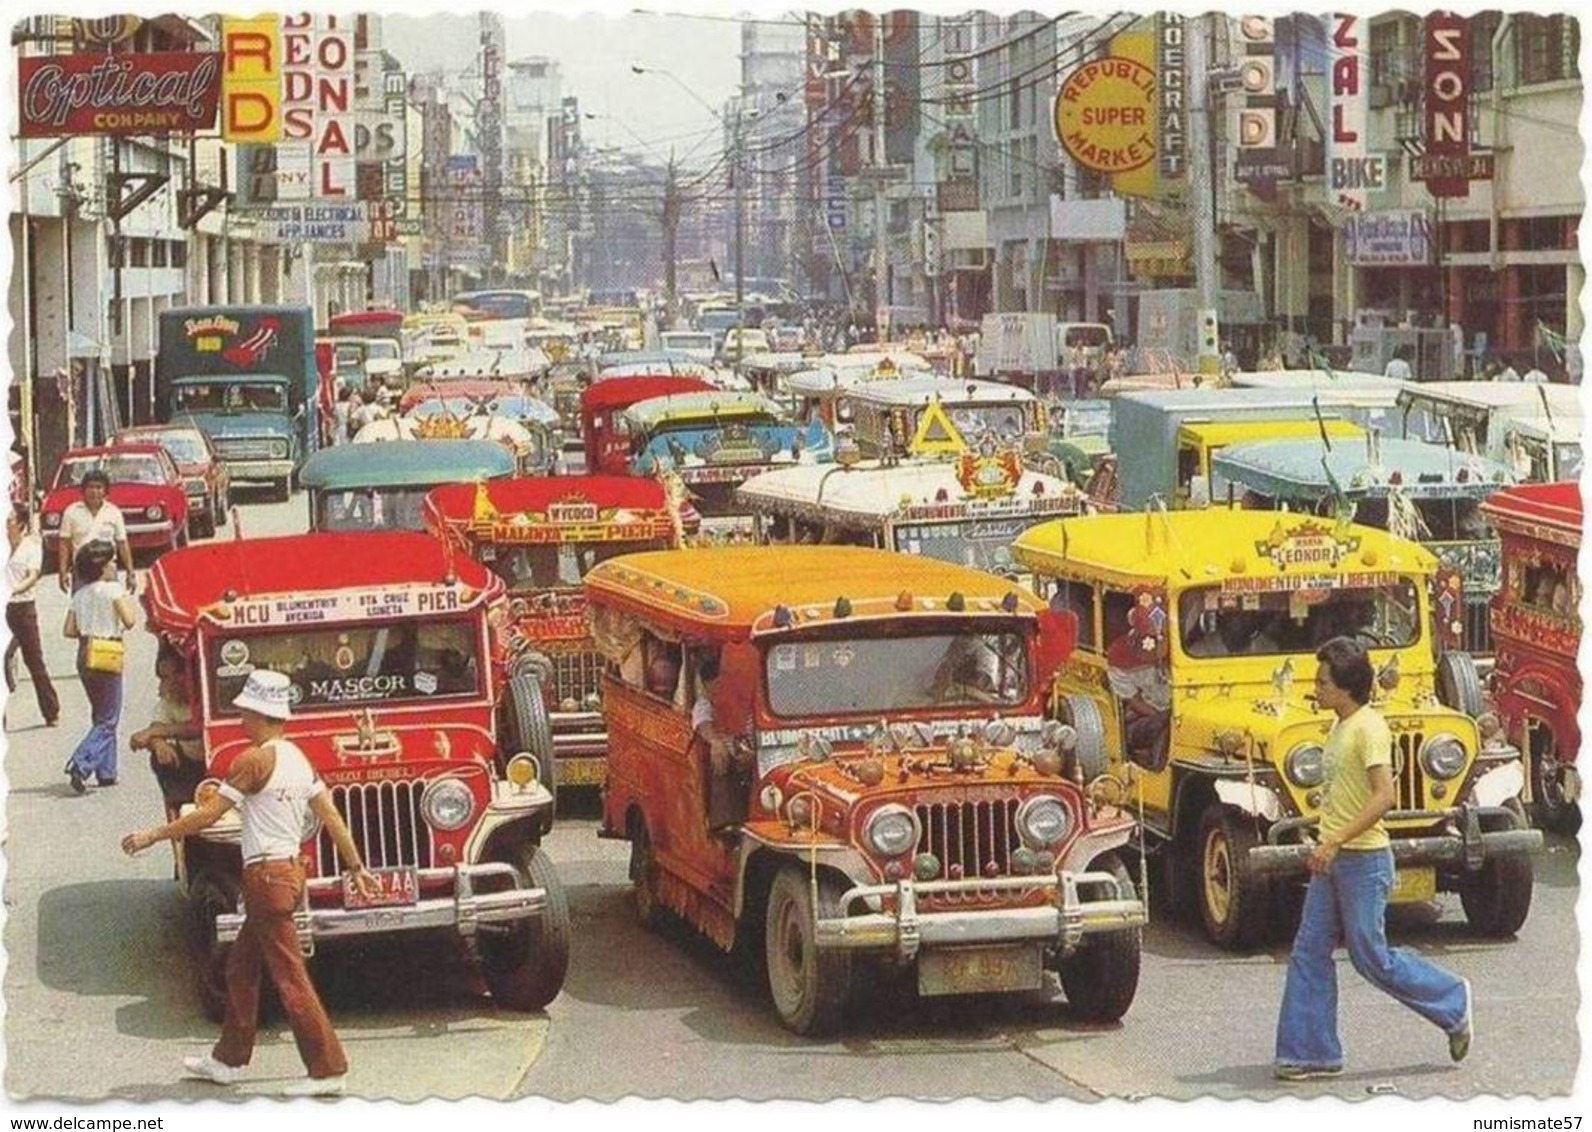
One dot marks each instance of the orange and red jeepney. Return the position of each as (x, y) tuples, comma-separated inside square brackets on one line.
[(1537, 631), (603, 403), (395, 648), (877, 780), (541, 536)]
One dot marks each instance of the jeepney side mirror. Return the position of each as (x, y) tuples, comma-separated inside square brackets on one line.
[(1058, 638)]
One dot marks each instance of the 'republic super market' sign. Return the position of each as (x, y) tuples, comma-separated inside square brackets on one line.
[(157, 93)]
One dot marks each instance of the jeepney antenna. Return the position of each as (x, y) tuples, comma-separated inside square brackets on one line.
[(1547, 409), (1315, 405)]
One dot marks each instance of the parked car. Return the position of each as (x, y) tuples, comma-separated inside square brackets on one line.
[(205, 476), (145, 484)]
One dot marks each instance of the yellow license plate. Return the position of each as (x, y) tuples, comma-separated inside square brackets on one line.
[(582, 772), (1412, 886), (978, 970)]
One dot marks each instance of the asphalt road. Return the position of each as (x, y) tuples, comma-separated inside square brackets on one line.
[(97, 960)]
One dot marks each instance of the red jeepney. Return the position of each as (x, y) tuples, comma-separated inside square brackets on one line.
[(395, 648), (604, 402), (540, 536), (1536, 633)]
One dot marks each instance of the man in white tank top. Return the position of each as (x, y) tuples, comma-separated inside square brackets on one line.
[(272, 785)]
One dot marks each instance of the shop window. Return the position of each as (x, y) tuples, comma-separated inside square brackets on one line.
[(1546, 48), (1483, 26), (1549, 587), (179, 254)]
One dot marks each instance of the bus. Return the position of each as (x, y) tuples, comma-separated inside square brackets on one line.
[(502, 303)]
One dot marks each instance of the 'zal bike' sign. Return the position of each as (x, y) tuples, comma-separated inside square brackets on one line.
[(158, 93)]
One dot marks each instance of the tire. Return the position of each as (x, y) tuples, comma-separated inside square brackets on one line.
[(1233, 900), (524, 966), (204, 523), (1497, 897), (809, 987), (527, 728), (1101, 978), (1459, 684), (644, 875), (209, 895), (1083, 714), (1550, 809)]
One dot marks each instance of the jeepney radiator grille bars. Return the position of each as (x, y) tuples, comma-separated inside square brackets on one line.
[(1410, 784), (384, 818), (970, 834), (576, 675), (243, 449)]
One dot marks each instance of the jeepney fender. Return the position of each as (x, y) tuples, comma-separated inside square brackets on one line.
[(1250, 797), (842, 858), (1089, 847), (508, 806), (1500, 784)]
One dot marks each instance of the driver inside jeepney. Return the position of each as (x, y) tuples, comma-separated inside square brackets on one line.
[(1278, 623)]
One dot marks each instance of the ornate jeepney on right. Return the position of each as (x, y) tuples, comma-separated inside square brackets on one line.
[(541, 535), (1537, 632)]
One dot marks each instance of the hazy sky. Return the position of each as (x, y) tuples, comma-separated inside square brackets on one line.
[(595, 53)]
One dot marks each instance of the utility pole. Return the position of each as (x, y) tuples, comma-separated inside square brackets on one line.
[(1201, 191), (740, 235), (881, 254), (671, 224)]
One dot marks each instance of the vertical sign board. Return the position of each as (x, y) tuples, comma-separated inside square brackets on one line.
[(1352, 172), (251, 80), (317, 109), (1255, 118), (1447, 81), (958, 191), (1171, 148)]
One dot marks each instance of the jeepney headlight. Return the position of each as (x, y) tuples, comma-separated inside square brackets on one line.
[(447, 804), (1000, 733), (522, 770), (279, 449), (155, 512), (892, 830), (1443, 756), (1043, 821), (1305, 765)]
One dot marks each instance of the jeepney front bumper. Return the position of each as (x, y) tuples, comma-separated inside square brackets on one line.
[(464, 910), (580, 748), (906, 930), (1463, 842), (253, 471)]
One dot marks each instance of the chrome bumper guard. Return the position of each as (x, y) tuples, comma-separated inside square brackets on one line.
[(907, 931), (464, 911), (1465, 843), (164, 527), (578, 733)]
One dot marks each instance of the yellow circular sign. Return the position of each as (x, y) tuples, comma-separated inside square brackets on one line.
[(1105, 115)]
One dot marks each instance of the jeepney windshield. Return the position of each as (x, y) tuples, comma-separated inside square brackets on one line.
[(372, 509), (897, 672), (351, 665), (1451, 519), (1217, 623), (528, 569), (230, 397), (983, 544), (1005, 421)]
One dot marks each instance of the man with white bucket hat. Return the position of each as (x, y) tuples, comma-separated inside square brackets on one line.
[(272, 784)]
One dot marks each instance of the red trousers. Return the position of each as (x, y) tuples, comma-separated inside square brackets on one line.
[(271, 892)]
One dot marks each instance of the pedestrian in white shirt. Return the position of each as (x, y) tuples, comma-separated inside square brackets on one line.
[(94, 518), (1398, 368), (23, 569)]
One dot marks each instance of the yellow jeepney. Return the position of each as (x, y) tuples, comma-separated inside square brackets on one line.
[(1198, 442), (1196, 652)]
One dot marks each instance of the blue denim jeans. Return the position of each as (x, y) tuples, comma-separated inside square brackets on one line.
[(96, 753), (1347, 906)]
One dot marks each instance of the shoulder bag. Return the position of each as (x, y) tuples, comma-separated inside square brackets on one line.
[(105, 654)]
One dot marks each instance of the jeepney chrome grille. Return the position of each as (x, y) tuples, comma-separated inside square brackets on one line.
[(1478, 628), (970, 834), (576, 675), (244, 449), (1410, 781), (384, 819)]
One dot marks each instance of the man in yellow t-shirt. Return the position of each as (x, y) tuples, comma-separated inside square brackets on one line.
[(1351, 876)]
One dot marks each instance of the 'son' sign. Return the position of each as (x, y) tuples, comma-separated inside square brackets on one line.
[(1105, 115)]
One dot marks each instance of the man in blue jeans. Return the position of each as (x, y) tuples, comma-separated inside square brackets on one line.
[(1351, 876)]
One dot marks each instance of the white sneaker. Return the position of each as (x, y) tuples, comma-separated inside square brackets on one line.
[(316, 1086), (207, 1068)]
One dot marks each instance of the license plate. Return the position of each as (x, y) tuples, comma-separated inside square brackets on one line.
[(1413, 886), (582, 772), (979, 970), (398, 886)]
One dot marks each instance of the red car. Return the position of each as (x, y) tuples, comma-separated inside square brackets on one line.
[(204, 474), (145, 484)]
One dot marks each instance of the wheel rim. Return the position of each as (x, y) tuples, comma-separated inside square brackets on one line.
[(1218, 877), (787, 958)]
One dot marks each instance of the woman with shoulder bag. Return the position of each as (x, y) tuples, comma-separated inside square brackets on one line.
[(101, 611)]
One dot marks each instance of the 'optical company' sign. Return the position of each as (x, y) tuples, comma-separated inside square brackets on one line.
[(1398, 238), (159, 93), (1105, 115)]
